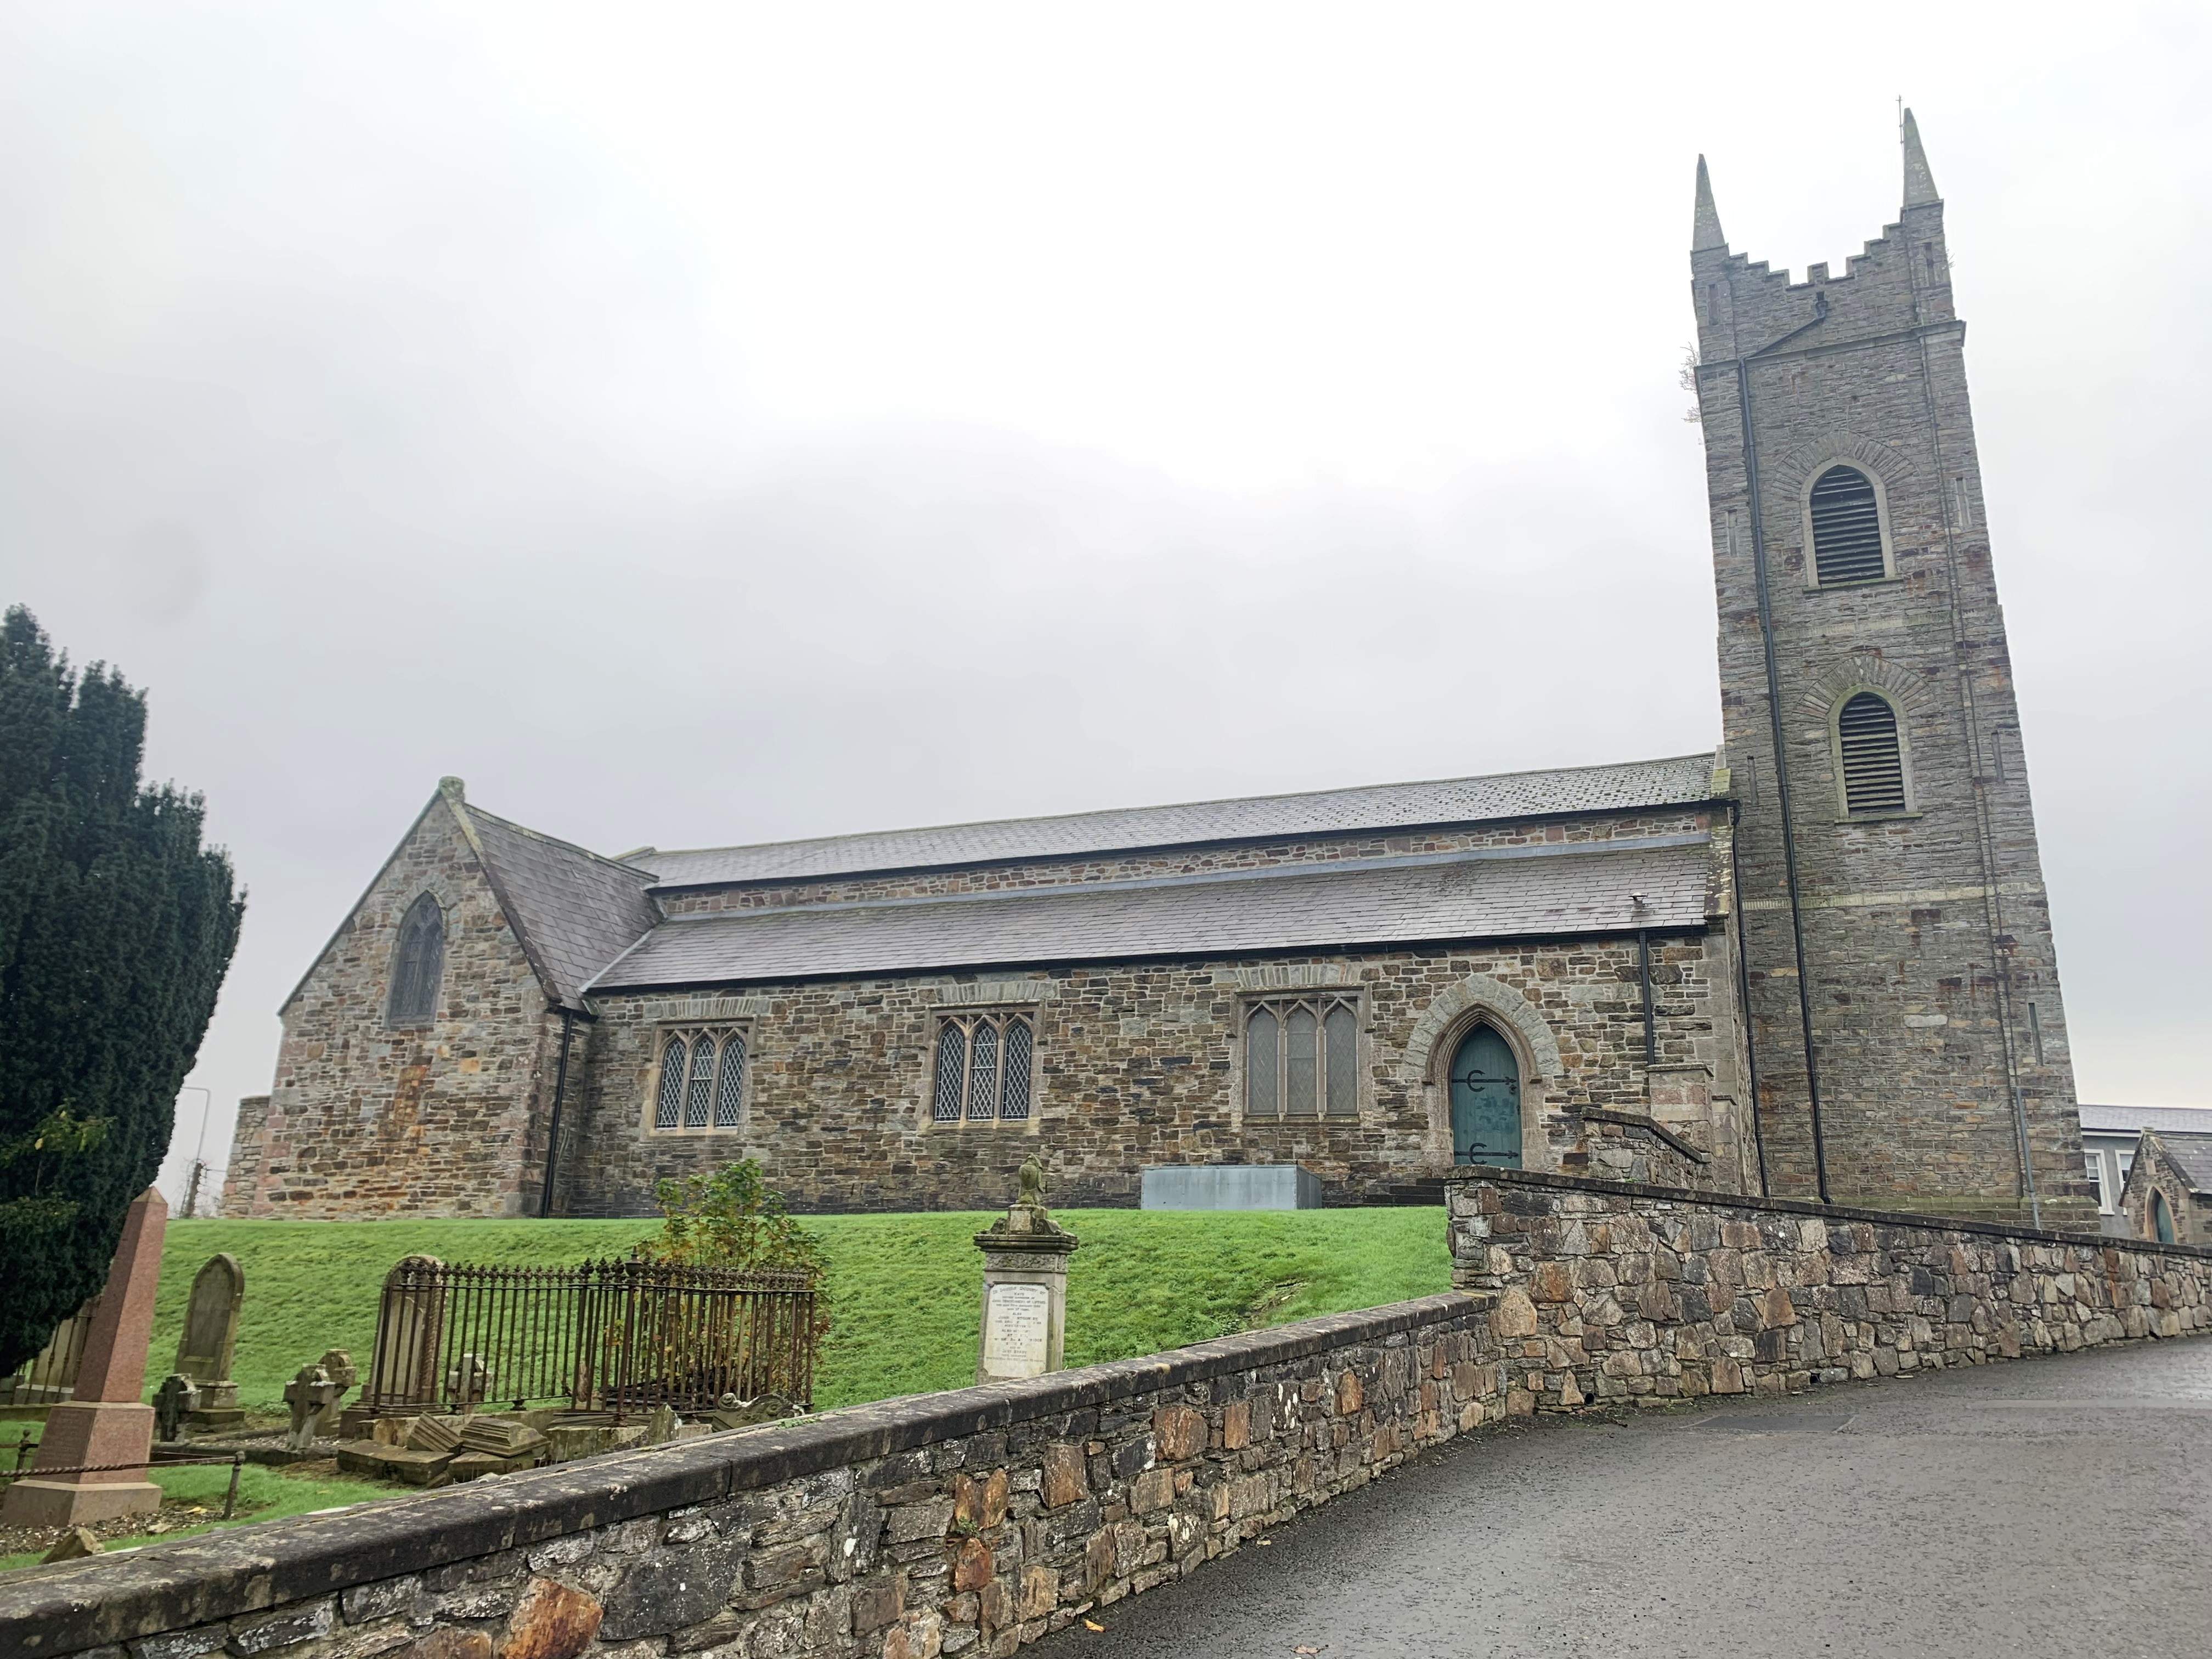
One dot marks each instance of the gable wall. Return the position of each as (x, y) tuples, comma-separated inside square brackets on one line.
[(365, 1122), (1138, 1065)]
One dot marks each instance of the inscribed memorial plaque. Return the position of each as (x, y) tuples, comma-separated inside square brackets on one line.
[(1018, 1331)]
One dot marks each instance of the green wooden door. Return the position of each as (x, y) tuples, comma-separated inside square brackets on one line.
[(1485, 1101)]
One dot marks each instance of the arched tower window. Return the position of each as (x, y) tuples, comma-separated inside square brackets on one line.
[(1872, 755), (1846, 528), (418, 962)]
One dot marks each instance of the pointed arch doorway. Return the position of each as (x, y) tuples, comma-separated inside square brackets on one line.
[(1486, 1100)]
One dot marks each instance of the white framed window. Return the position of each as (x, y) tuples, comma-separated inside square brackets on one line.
[(985, 1070), (699, 1079), (2095, 1163), (1301, 1058)]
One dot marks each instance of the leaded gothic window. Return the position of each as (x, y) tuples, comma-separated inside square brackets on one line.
[(701, 1080), (1872, 755), (1846, 528), (984, 1068), (1301, 1058), (418, 963)]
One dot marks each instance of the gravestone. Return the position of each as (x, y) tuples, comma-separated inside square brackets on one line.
[(106, 1424), (309, 1393), (337, 1364), (173, 1404), (1025, 1254), (403, 1369), (211, 1338)]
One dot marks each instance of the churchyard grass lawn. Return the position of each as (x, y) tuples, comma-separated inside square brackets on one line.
[(904, 1289)]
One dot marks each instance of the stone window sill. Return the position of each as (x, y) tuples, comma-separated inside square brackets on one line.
[(1879, 817), (1854, 588)]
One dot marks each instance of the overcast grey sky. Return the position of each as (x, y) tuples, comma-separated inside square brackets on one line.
[(700, 424)]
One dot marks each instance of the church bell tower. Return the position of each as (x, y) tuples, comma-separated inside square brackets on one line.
[(1905, 1023)]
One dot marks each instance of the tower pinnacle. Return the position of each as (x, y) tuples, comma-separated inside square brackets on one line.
[(1705, 228), (1919, 182)]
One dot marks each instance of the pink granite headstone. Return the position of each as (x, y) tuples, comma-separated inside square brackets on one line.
[(106, 1424)]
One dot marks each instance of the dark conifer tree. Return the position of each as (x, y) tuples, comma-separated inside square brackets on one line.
[(116, 928)]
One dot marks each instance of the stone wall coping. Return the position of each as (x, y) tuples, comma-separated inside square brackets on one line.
[(1461, 1173), (1639, 1121), (105, 1599)]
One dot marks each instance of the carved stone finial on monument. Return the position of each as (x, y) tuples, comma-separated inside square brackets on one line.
[(106, 1423), (1024, 1285), (173, 1404), (211, 1338)]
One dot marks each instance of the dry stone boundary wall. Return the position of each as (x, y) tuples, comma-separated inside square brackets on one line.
[(972, 1522)]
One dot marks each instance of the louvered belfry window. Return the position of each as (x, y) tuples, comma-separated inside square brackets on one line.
[(983, 1072), (1874, 758), (418, 963), (1846, 528), (702, 1081)]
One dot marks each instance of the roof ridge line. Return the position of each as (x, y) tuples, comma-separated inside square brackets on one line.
[(1205, 878), (1172, 806)]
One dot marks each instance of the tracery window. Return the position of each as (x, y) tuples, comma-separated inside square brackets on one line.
[(418, 963), (701, 1080), (1847, 543), (1872, 755), (1301, 1058), (985, 1069)]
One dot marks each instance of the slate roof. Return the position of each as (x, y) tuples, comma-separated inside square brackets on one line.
[(2193, 1153), (1681, 781), (2133, 1119), (573, 910), (1549, 891)]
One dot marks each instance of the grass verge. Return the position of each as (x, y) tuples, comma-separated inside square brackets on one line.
[(902, 1288)]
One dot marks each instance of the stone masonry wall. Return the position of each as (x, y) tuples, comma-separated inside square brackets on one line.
[(1615, 1292), (967, 1522), (1927, 932), (1139, 1064), (364, 1121), (975, 1521)]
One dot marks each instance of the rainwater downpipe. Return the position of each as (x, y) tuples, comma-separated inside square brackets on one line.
[(553, 1129), (1781, 752), (1650, 1036), (1743, 999)]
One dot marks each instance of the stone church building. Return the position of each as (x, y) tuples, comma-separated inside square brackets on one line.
[(1816, 963)]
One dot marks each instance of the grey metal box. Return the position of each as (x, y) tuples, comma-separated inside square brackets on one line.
[(1231, 1186)]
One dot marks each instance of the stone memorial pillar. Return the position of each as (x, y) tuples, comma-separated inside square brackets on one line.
[(211, 1338), (106, 1423), (1024, 1287)]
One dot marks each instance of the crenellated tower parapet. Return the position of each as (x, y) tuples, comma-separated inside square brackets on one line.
[(1906, 1021)]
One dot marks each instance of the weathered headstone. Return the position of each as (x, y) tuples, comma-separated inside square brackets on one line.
[(309, 1393), (106, 1424), (1025, 1254), (469, 1382), (211, 1338), (404, 1370), (173, 1404), (338, 1364)]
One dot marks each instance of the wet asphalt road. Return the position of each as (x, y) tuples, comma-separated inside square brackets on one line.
[(2056, 1506)]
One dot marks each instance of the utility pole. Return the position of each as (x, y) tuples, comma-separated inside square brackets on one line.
[(199, 1162)]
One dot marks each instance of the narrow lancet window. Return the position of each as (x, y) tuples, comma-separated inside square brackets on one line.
[(668, 1109), (418, 962)]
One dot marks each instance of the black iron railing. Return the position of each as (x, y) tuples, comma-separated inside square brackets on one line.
[(614, 1337)]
